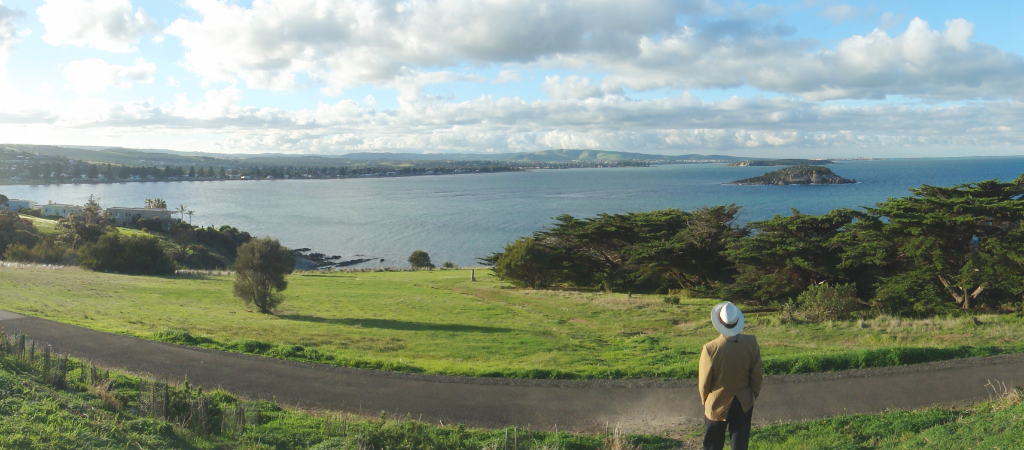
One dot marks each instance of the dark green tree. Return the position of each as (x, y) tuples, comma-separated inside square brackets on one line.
[(965, 238), (420, 259), (260, 270), (525, 263), (786, 254)]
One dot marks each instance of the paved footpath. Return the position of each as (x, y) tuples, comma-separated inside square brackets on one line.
[(648, 406)]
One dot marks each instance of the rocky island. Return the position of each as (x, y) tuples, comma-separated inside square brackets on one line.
[(796, 175), (780, 162)]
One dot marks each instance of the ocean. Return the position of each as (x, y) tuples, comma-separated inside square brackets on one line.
[(460, 218)]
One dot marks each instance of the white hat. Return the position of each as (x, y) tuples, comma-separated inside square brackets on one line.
[(727, 319)]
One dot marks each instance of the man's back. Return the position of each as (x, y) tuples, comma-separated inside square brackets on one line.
[(729, 367)]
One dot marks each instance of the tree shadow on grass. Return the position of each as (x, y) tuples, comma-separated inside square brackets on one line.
[(403, 325)]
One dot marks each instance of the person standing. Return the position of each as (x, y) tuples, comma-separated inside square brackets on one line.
[(729, 380)]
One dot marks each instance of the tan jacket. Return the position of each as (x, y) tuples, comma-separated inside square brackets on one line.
[(729, 367)]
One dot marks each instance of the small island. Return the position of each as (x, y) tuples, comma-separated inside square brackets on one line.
[(780, 162), (796, 175)]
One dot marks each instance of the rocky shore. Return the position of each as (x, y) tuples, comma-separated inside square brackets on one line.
[(307, 259)]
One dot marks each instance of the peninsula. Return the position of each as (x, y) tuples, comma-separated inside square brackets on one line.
[(796, 175)]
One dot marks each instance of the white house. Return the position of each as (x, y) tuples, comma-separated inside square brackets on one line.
[(59, 209)]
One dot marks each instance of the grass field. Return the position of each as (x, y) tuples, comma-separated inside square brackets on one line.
[(36, 415), (440, 322)]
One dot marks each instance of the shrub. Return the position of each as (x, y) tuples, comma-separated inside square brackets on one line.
[(136, 254), (46, 252), (525, 263), (259, 273), (449, 265), (821, 302), (671, 300), (420, 259)]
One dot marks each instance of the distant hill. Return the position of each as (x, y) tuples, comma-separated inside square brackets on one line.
[(543, 156), (796, 175), (118, 155), (780, 162)]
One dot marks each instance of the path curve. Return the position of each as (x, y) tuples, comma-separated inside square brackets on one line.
[(649, 406)]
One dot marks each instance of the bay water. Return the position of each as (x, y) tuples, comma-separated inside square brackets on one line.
[(460, 218)]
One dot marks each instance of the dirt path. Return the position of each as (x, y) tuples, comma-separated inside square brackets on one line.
[(649, 406)]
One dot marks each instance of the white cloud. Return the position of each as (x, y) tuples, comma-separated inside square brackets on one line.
[(108, 25), (838, 14), (350, 42), (922, 62), (172, 82), (95, 75), (507, 76), (370, 101), (571, 87), (8, 36), (45, 88)]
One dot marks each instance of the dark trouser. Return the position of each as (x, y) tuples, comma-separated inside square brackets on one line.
[(738, 423)]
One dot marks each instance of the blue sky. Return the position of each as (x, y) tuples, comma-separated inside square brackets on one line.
[(784, 78)]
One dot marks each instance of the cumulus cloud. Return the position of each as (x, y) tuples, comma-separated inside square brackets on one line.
[(641, 45), (922, 62), (8, 36), (507, 76), (572, 87), (95, 75), (351, 42), (109, 25)]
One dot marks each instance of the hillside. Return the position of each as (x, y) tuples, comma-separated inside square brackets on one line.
[(149, 157), (796, 175)]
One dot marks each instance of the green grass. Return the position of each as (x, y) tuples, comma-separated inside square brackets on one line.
[(440, 322), (991, 425), (35, 415), (48, 227)]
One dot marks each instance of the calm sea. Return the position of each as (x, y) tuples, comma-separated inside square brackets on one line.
[(459, 218)]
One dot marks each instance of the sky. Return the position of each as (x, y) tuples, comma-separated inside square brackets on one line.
[(800, 78)]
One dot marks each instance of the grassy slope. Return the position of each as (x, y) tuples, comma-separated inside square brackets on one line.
[(37, 416), (440, 322), (49, 227)]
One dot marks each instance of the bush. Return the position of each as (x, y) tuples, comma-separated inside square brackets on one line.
[(44, 252), (136, 254), (420, 259), (449, 265), (822, 302), (671, 300), (525, 263), (259, 273)]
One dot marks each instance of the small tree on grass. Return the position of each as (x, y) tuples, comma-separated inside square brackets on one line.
[(260, 268), (420, 259)]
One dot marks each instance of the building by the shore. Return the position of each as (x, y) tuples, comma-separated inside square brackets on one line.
[(125, 216), (59, 209), (16, 204)]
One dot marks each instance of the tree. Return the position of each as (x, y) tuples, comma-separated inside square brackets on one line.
[(223, 173), (182, 236), (4, 201), (963, 238), (93, 172), (787, 254), (419, 259), (260, 269), (190, 214), (526, 263), (84, 227), (156, 203), (192, 172), (182, 209)]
